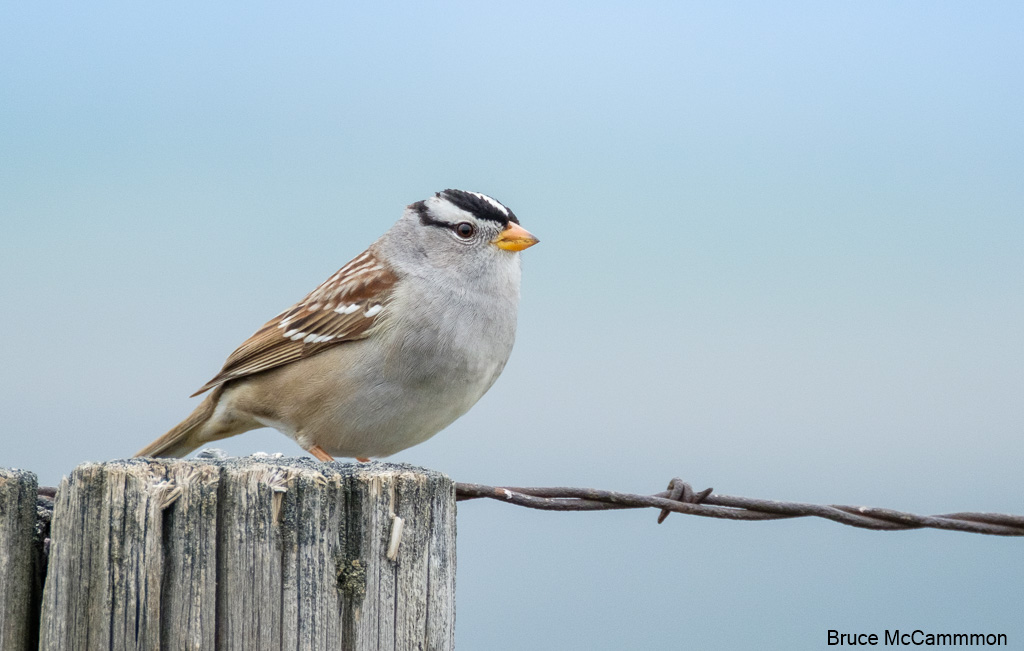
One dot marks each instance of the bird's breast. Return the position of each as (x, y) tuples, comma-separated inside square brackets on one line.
[(455, 341)]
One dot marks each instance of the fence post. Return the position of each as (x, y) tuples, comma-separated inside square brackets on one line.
[(252, 553), (19, 560)]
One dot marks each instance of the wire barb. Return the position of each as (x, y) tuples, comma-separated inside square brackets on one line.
[(681, 491), (680, 498)]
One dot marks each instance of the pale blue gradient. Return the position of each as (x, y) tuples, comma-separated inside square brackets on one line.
[(782, 254)]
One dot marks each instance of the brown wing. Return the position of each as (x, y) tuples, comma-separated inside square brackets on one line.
[(343, 308)]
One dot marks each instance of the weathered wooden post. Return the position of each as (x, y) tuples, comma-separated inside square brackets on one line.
[(19, 560), (252, 553)]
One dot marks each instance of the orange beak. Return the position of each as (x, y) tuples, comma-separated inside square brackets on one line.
[(514, 238)]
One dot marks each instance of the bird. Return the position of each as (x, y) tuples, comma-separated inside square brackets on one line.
[(388, 351)]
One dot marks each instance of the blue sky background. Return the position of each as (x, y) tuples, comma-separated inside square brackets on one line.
[(782, 255)]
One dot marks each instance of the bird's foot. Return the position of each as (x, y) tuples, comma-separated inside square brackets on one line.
[(320, 453)]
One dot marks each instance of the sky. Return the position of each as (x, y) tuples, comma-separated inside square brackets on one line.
[(782, 254)]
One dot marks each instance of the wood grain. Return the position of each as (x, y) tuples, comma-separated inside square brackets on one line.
[(252, 553), (19, 560)]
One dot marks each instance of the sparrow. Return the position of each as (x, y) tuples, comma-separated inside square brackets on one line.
[(388, 351)]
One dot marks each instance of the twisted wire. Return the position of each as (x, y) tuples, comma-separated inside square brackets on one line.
[(681, 498)]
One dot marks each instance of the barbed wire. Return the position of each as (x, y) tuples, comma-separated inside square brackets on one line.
[(681, 498)]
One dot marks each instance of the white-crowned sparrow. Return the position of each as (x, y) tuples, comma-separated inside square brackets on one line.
[(388, 351)]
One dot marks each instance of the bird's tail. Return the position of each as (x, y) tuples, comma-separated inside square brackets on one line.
[(183, 437)]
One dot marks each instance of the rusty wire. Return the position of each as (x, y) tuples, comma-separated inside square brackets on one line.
[(680, 498)]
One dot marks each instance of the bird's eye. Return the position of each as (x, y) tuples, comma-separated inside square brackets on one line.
[(465, 230)]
